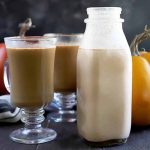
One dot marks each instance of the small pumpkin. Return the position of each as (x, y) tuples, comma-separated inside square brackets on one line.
[(140, 82), (140, 91)]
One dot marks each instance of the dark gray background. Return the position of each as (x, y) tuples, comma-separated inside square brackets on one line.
[(67, 16)]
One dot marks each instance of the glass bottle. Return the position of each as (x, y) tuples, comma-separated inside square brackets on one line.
[(104, 79)]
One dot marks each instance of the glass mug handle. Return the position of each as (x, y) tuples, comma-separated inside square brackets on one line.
[(6, 76)]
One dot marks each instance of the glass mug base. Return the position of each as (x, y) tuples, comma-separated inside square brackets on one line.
[(64, 101), (63, 116), (33, 136), (33, 132), (108, 143)]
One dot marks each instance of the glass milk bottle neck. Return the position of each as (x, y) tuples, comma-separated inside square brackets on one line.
[(104, 13), (104, 18), (102, 25)]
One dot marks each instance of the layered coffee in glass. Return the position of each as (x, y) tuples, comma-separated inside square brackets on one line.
[(65, 76), (31, 67)]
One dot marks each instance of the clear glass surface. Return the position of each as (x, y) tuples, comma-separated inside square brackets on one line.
[(30, 83), (64, 101)]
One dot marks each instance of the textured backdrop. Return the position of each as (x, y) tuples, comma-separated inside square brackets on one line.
[(67, 16)]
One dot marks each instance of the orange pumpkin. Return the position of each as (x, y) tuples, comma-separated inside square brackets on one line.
[(140, 80), (140, 91)]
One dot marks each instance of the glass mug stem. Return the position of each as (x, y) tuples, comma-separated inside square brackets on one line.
[(33, 132), (64, 101), (32, 119)]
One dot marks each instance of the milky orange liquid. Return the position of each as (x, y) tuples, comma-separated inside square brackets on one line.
[(31, 74), (65, 68)]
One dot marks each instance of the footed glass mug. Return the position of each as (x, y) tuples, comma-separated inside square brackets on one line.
[(31, 65), (65, 76)]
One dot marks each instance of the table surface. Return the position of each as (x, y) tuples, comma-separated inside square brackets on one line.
[(69, 139)]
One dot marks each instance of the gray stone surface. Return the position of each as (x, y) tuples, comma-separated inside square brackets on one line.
[(68, 139)]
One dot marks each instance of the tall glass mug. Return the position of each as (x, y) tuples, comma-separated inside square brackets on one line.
[(31, 67), (65, 76)]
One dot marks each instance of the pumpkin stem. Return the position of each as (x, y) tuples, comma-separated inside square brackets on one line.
[(139, 39)]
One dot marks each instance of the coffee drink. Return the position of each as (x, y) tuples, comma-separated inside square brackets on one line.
[(65, 68), (31, 75)]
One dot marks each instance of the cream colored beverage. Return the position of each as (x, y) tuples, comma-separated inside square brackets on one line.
[(65, 68), (31, 71), (104, 97)]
